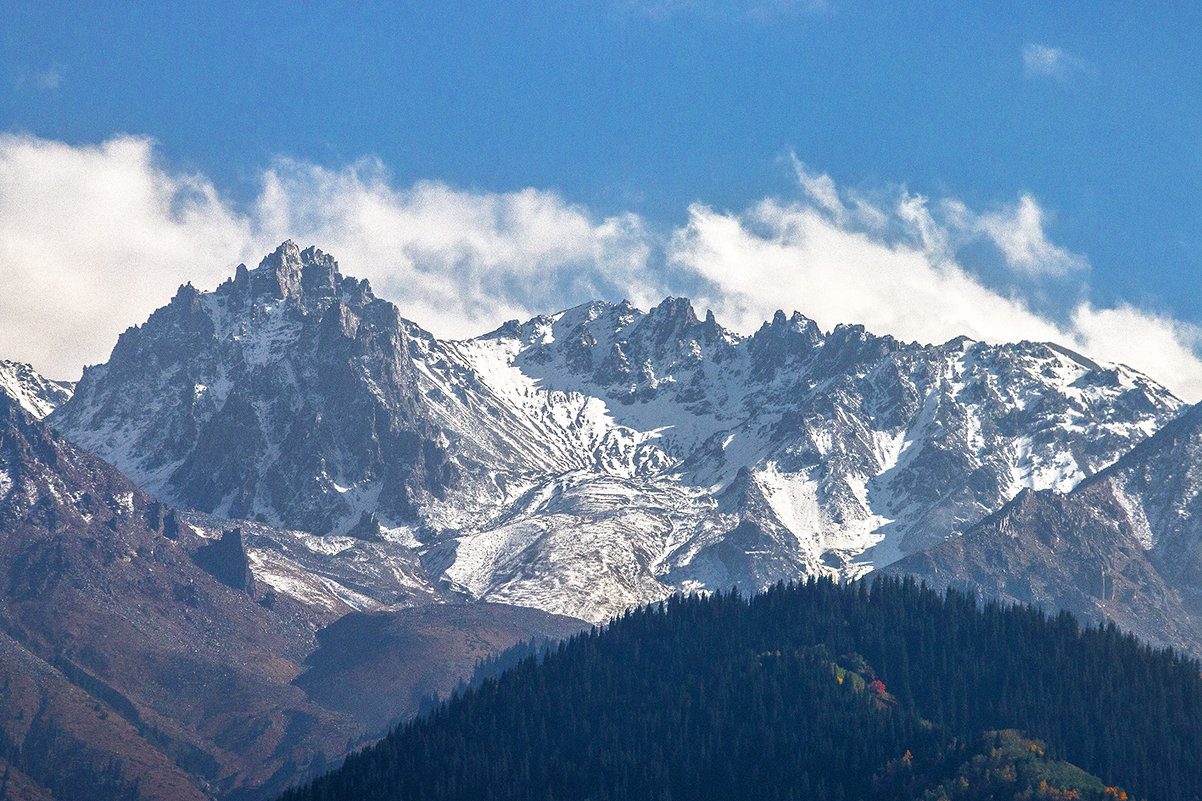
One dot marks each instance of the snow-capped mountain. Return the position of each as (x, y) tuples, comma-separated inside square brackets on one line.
[(37, 394), (593, 459), (1124, 546)]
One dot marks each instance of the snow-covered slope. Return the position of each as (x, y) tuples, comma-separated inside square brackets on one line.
[(596, 458), (37, 394), (1159, 487), (718, 459)]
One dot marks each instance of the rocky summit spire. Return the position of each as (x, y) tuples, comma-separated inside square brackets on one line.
[(306, 276)]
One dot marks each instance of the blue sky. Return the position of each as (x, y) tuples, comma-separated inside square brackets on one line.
[(1056, 145)]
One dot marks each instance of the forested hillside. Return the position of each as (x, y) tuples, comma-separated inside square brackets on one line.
[(818, 691)]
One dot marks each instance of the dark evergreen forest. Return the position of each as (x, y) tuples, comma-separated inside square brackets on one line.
[(817, 691)]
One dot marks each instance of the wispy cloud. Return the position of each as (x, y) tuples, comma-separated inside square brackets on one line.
[(1018, 232), (93, 238), (1041, 60), (453, 260), (1160, 346), (51, 78), (777, 255), (48, 79), (941, 229)]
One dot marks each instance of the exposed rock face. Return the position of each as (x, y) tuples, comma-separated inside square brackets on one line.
[(226, 560), (593, 459), (1123, 546)]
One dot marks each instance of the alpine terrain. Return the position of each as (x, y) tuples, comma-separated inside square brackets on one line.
[(587, 461), (281, 518)]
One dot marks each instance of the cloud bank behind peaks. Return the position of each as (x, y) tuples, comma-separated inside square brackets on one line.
[(458, 261), (94, 238), (792, 254), (889, 261)]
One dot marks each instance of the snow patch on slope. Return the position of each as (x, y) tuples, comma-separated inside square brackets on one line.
[(35, 393)]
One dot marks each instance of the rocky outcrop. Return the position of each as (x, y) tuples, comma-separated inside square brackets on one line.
[(226, 560)]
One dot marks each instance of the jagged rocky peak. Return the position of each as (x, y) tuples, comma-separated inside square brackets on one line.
[(958, 344), (621, 346), (308, 278), (849, 344), (598, 316), (288, 273), (534, 331), (674, 321), (272, 395), (673, 316), (784, 339)]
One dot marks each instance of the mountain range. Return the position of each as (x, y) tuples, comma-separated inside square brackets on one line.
[(281, 515), (591, 460)]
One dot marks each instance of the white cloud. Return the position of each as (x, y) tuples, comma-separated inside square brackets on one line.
[(776, 255), (1017, 230), (1158, 345), (457, 261), (92, 239), (48, 79), (1049, 62), (1018, 233)]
